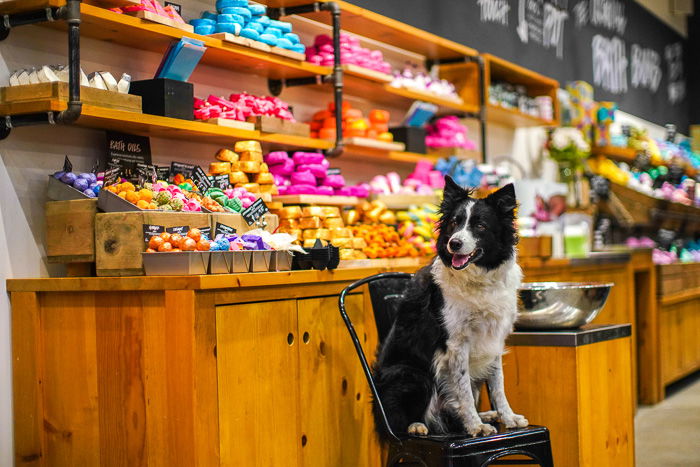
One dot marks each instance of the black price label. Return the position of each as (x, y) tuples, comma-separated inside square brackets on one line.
[(163, 173), (132, 149), (180, 229), (175, 6), (146, 173), (206, 232), (333, 171), (112, 176), (220, 181), (200, 179), (255, 211), (181, 168), (151, 231), (67, 165), (223, 229)]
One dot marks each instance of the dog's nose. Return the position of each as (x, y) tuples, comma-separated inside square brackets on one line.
[(455, 244)]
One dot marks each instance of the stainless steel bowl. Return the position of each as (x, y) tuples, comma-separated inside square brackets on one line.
[(557, 305)]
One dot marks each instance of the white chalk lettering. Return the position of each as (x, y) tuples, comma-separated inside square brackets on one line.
[(645, 68), (609, 64), (581, 14), (553, 31), (609, 14), (676, 80), (494, 11)]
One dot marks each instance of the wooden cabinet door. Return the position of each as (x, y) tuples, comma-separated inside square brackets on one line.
[(258, 383), (336, 420)]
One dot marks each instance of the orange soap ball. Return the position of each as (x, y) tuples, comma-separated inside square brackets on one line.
[(155, 242), (195, 234), (327, 133), (379, 116), (388, 137), (188, 244), (166, 246), (176, 240), (329, 122)]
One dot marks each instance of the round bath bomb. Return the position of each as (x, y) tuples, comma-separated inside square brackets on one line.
[(81, 184), (236, 10), (303, 178), (68, 178), (274, 31), (284, 43)]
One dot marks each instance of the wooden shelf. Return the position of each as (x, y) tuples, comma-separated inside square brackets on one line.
[(374, 26), (102, 24), (20, 6), (514, 118), (165, 127), (629, 155), (404, 201)]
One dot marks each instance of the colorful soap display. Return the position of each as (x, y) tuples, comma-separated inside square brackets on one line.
[(351, 53), (155, 7), (248, 20), (517, 97), (88, 184), (246, 168), (192, 240), (417, 79), (448, 132), (241, 106), (103, 80), (354, 124), (306, 173)]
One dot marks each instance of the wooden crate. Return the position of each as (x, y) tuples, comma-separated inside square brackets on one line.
[(70, 231), (236, 221), (119, 238), (91, 96), (277, 125)]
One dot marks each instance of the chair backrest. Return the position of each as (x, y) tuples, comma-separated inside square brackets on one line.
[(386, 290)]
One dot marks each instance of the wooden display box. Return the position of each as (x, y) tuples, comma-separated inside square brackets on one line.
[(97, 97), (70, 227), (236, 221), (277, 125), (119, 238), (674, 278), (465, 77)]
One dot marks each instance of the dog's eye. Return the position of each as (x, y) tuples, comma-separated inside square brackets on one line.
[(481, 226), (453, 223)]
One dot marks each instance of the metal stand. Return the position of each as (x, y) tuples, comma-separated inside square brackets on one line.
[(336, 77), (71, 14)]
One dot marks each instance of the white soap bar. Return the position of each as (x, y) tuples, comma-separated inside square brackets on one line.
[(23, 77), (124, 84), (13, 78), (97, 82), (109, 81), (47, 75), (34, 77), (84, 80), (62, 74)]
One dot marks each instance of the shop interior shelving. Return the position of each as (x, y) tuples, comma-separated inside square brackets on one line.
[(461, 63), (628, 155), (497, 69)]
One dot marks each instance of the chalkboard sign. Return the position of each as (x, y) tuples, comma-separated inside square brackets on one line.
[(625, 52), (128, 150), (255, 211), (200, 179)]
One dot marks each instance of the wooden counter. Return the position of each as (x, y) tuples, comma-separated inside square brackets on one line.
[(242, 369)]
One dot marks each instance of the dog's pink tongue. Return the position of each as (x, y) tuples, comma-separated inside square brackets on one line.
[(459, 260)]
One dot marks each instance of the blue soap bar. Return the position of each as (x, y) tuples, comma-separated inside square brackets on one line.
[(273, 32), (256, 26), (268, 39), (281, 25), (220, 4), (233, 28), (257, 10), (250, 34), (209, 15), (301, 48), (291, 37), (227, 18), (284, 43), (205, 29), (202, 22), (264, 20), (236, 10)]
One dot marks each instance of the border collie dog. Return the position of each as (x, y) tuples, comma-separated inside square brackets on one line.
[(451, 326)]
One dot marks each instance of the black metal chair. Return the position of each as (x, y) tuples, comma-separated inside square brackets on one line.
[(454, 450)]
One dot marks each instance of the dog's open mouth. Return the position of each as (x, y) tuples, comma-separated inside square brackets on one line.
[(462, 261)]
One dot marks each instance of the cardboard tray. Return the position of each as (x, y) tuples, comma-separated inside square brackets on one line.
[(226, 262), (260, 260), (184, 263), (110, 202), (281, 261), (59, 191)]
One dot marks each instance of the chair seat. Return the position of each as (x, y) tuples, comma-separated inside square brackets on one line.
[(434, 450)]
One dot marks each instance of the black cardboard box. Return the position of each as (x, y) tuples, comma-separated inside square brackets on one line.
[(412, 137), (166, 97)]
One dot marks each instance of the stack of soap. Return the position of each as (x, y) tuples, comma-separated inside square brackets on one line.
[(306, 173), (310, 223), (351, 53), (448, 132), (250, 21), (245, 168), (241, 106), (59, 73), (354, 123)]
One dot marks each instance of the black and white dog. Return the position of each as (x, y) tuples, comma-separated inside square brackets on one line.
[(450, 330)]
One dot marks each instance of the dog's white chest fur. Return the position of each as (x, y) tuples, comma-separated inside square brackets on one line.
[(479, 311)]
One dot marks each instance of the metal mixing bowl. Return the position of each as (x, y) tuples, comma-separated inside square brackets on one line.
[(557, 305)]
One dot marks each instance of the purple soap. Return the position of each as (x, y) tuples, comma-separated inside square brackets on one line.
[(334, 181), (317, 170), (285, 168), (277, 157), (303, 178), (307, 157), (301, 190)]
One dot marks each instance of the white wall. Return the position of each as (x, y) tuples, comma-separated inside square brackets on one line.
[(29, 154)]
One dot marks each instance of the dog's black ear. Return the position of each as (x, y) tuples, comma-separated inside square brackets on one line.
[(503, 199), (453, 192)]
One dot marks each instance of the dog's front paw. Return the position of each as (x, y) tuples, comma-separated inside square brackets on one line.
[(489, 416), (417, 428), (481, 429), (514, 421)]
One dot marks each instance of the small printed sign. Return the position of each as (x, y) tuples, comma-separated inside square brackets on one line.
[(220, 181), (223, 229), (146, 173), (175, 6), (126, 148), (206, 231), (200, 179), (151, 231), (181, 168), (255, 211), (163, 173), (112, 176), (180, 229), (333, 171), (67, 165)]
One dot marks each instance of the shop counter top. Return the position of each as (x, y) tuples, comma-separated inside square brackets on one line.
[(585, 335)]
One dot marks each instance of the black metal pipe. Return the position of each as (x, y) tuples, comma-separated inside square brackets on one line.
[(334, 10), (482, 107), (71, 14), (30, 17), (17, 121)]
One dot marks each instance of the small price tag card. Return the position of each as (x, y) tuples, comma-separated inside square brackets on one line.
[(255, 211), (206, 231), (67, 165), (146, 173), (151, 231), (112, 176), (200, 179), (223, 229), (181, 229), (333, 171), (163, 173), (181, 168), (220, 181)]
